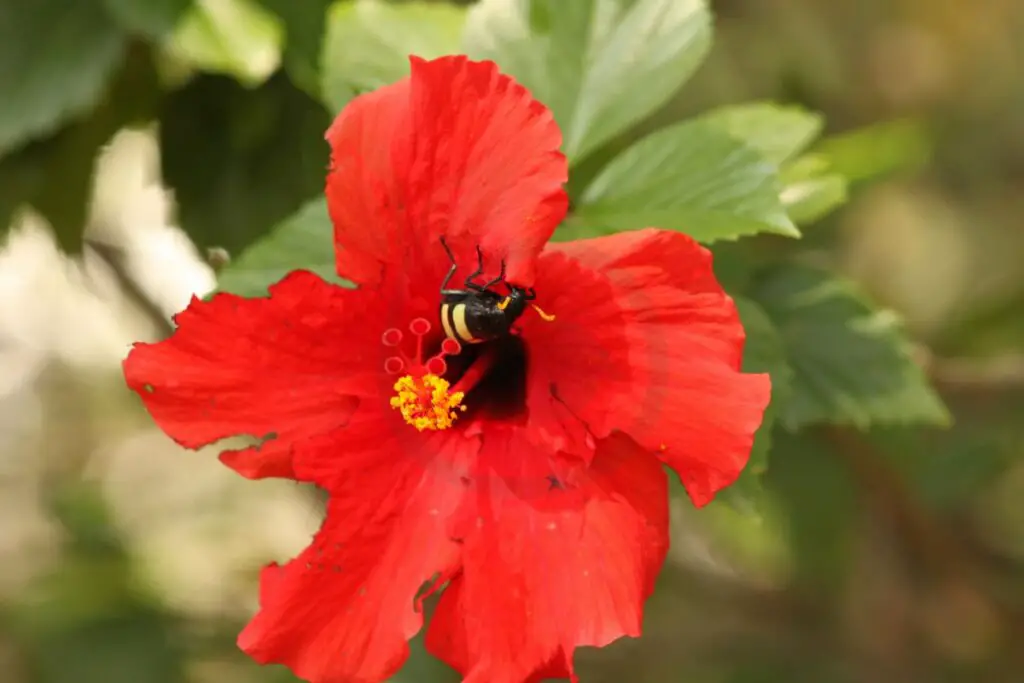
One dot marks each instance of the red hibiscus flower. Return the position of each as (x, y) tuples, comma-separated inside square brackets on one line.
[(522, 476)]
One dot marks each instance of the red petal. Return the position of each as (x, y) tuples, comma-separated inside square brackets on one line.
[(647, 342), (345, 608), (456, 149), (287, 366), (542, 578)]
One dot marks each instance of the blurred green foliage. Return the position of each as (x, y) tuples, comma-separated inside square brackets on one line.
[(857, 474)]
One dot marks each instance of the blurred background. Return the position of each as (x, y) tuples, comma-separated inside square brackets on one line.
[(893, 556)]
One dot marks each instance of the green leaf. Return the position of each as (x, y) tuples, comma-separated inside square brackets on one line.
[(851, 363), (809, 200), (690, 177), (149, 18), (951, 468), (304, 24), (239, 160), (304, 241), (811, 189), (369, 42), (733, 264), (90, 619), (780, 133), (422, 667), (877, 151), (804, 167), (988, 328), (57, 56), (600, 65), (144, 645), (234, 37), (763, 352), (777, 132), (21, 176), (55, 175), (820, 500)]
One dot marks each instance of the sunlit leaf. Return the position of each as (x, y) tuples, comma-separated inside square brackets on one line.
[(304, 25), (369, 42), (690, 177), (809, 200), (235, 37), (777, 132), (600, 65), (804, 167)]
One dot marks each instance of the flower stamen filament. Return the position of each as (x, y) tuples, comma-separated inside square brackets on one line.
[(422, 395)]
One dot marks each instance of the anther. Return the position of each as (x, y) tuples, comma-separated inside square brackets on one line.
[(426, 403), (422, 395)]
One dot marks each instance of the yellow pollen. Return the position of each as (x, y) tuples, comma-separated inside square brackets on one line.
[(426, 403), (503, 304)]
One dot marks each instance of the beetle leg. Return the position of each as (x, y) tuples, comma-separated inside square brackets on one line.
[(479, 269), (448, 278), (447, 249), (500, 278), (476, 273), (451, 271)]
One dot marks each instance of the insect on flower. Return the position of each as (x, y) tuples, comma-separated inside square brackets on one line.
[(511, 463), (477, 313)]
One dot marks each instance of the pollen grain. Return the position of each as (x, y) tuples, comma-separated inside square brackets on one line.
[(426, 402)]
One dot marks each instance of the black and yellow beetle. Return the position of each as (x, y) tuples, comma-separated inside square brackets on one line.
[(477, 313)]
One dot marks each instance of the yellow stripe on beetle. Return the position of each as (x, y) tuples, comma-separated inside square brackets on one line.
[(445, 322), (458, 314), (478, 313)]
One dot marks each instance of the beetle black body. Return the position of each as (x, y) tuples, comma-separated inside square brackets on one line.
[(478, 313)]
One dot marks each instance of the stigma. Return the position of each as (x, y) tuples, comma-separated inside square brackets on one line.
[(424, 398)]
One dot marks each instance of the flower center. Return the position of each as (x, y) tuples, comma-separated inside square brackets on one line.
[(422, 395), (493, 376), (431, 391)]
